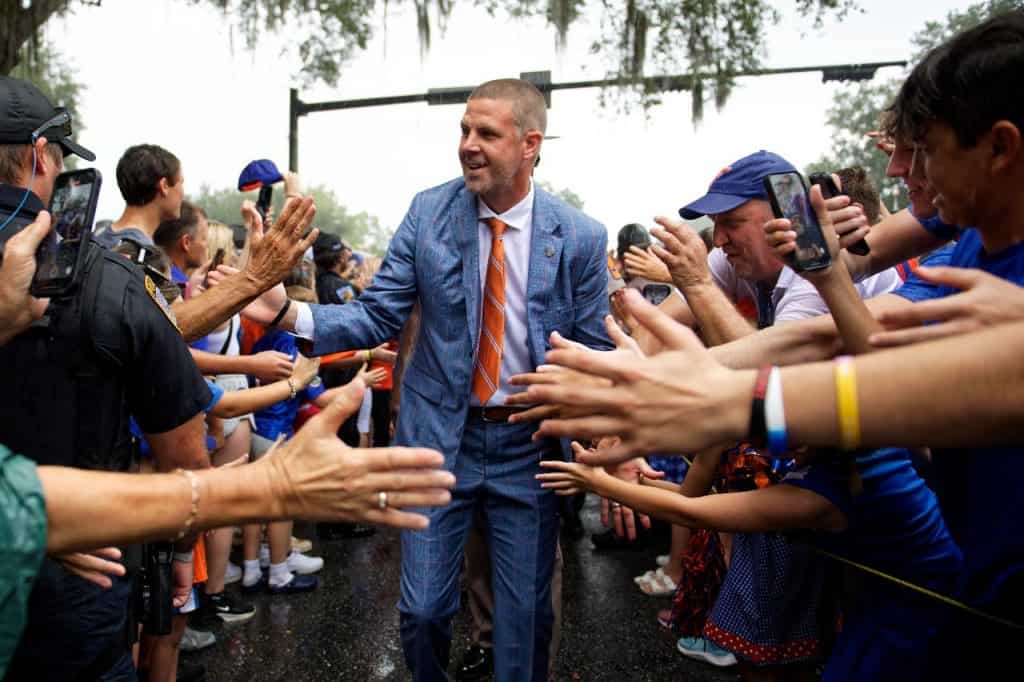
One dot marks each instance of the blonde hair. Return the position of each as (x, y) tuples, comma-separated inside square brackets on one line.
[(221, 237)]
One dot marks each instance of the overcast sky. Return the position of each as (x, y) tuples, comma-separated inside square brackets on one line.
[(171, 73)]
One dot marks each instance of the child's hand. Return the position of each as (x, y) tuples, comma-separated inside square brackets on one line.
[(569, 478), (305, 370)]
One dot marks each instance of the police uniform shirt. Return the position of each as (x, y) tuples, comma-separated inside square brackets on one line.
[(134, 341), (333, 288)]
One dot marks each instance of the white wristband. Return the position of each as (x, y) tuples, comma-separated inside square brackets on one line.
[(775, 414)]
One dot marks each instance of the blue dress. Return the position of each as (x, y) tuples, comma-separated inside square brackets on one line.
[(894, 526), (771, 608)]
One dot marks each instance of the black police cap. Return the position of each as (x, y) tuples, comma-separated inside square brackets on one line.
[(25, 112)]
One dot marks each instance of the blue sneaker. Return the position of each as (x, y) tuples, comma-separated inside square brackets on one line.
[(704, 650), (298, 583), (258, 586)]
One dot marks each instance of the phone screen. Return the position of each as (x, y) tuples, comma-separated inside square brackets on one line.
[(789, 200), (72, 209)]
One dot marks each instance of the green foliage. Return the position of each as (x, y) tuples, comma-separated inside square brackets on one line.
[(360, 230), (857, 107), (710, 38)]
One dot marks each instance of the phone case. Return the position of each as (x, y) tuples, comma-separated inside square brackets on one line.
[(819, 263)]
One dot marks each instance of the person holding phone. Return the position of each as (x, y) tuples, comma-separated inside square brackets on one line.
[(103, 350)]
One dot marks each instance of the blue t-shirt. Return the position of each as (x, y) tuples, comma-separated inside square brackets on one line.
[(894, 526), (279, 417), (180, 278), (937, 227), (915, 288), (977, 487)]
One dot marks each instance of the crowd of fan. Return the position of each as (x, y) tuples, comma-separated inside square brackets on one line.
[(885, 546)]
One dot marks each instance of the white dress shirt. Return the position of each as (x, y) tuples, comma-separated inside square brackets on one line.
[(515, 357), (515, 354)]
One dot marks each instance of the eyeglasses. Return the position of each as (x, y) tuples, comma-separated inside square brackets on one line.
[(61, 120)]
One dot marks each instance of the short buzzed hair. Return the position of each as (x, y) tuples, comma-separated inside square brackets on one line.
[(528, 106)]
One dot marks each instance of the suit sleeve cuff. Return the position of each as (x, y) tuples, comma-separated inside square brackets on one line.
[(304, 321)]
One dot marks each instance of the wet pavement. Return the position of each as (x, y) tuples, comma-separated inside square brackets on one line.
[(348, 628)]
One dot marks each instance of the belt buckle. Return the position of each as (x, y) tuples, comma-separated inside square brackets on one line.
[(487, 420)]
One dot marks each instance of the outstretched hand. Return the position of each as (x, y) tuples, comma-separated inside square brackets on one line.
[(265, 307), (681, 400), (555, 375), (984, 300), (96, 566), (317, 477), (275, 251)]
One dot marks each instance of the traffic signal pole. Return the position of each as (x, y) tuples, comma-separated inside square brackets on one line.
[(542, 79)]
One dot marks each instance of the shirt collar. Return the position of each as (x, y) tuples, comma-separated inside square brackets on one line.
[(786, 277), (11, 196), (518, 217)]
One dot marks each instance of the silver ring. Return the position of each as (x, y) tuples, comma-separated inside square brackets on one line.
[(616, 505), (382, 500)]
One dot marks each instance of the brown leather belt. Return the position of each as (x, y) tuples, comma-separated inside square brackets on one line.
[(494, 415)]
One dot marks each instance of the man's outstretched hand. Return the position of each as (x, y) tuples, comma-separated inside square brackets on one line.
[(316, 476), (275, 251)]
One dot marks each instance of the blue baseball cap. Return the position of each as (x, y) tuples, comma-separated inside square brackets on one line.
[(259, 173), (743, 181)]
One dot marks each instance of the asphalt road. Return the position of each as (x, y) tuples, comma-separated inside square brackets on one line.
[(348, 628)]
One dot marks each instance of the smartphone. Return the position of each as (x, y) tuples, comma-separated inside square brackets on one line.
[(788, 197), (829, 190), (263, 202), (60, 256), (656, 293), (218, 258)]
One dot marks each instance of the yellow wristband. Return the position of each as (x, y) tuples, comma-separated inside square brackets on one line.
[(846, 403), (369, 357)]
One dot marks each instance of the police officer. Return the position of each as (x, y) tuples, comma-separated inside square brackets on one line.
[(331, 256), (106, 350)]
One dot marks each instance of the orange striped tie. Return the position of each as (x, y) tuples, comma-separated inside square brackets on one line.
[(492, 326)]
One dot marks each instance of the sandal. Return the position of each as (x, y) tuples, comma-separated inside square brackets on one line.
[(660, 585)]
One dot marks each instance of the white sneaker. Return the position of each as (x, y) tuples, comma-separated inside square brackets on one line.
[(232, 574), (304, 565), (264, 555)]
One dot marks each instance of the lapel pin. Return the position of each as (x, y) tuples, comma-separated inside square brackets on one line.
[(549, 252)]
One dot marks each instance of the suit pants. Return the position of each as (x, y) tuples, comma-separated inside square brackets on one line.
[(494, 470), (480, 594)]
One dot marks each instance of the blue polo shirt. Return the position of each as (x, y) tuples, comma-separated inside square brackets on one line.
[(978, 488), (279, 417), (180, 278)]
